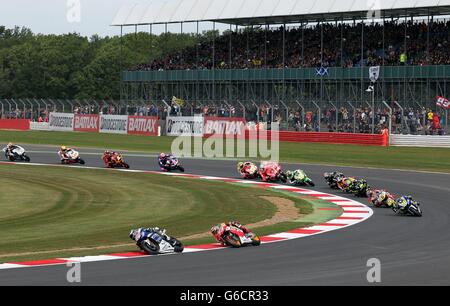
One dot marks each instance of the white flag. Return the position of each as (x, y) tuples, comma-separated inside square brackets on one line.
[(374, 73)]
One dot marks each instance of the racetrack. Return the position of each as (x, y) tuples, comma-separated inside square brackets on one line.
[(412, 251)]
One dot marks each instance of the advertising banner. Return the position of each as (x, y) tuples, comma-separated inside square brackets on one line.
[(225, 126), (185, 126), (113, 124), (86, 123), (147, 126), (61, 122)]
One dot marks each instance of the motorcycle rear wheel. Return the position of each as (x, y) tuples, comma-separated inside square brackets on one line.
[(256, 241)]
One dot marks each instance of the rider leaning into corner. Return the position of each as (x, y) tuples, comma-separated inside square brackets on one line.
[(163, 160), (63, 152), (244, 168), (136, 234), (10, 147), (380, 198), (218, 230), (108, 157)]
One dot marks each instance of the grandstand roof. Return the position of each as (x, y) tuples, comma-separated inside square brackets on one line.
[(253, 12)]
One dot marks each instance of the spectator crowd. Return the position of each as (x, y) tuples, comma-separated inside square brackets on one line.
[(260, 48)]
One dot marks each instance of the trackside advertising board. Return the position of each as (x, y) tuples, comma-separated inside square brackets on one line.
[(61, 122), (147, 126), (114, 124), (86, 123), (225, 126), (185, 126)]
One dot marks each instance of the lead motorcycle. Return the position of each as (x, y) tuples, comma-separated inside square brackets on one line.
[(16, 154), (236, 238), (156, 241), (72, 157)]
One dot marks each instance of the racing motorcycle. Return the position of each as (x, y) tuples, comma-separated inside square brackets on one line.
[(155, 242), (250, 172), (73, 157), (236, 238), (332, 179), (412, 208), (299, 178), (173, 164), (117, 161), (387, 200), (359, 188), (16, 154), (271, 172)]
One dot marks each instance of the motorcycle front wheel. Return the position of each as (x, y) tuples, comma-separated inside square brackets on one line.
[(26, 158), (82, 162), (256, 241), (181, 168), (150, 247), (233, 241)]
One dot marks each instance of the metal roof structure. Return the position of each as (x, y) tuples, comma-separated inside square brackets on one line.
[(259, 12)]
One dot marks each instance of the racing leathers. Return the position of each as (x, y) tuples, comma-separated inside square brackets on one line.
[(221, 228), (380, 198)]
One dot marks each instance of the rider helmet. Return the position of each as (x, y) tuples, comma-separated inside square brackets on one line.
[(132, 234), (63, 148), (162, 156), (9, 145), (289, 173), (240, 166), (215, 229)]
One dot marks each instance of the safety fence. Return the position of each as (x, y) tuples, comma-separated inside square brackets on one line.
[(197, 126), (427, 141)]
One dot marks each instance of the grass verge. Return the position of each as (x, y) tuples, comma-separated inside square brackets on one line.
[(64, 212)]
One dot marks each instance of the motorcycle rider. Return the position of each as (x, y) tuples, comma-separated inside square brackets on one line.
[(108, 157), (218, 230), (345, 183), (265, 167), (10, 148), (136, 234), (333, 178), (402, 204), (358, 186), (163, 160), (297, 176), (63, 152), (244, 168), (380, 198)]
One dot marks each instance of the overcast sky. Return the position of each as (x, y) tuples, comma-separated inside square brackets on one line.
[(51, 16)]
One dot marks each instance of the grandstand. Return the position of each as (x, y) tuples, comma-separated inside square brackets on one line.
[(297, 56)]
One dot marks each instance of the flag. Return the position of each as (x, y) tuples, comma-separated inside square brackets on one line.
[(179, 102), (442, 102), (322, 71), (374, 73)]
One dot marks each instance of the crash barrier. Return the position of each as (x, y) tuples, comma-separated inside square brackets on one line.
[(15, 124), (335, 138), (237, 127), (111, 124), (427, 141)]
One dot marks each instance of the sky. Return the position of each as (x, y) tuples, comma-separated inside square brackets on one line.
[(56, 16)]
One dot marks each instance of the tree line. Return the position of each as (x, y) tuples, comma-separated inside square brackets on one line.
[(71, 66)]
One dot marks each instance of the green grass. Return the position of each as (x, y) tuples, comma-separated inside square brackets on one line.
[(55, 208), (427, 159)]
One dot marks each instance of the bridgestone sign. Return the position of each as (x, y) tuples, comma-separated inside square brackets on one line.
[(114, 124), (61, 122), (185, 126)]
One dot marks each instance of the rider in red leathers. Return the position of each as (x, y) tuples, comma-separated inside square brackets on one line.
[(218, 230), (109, 158)]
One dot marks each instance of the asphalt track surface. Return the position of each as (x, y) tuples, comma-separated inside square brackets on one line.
[(412, 251)]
